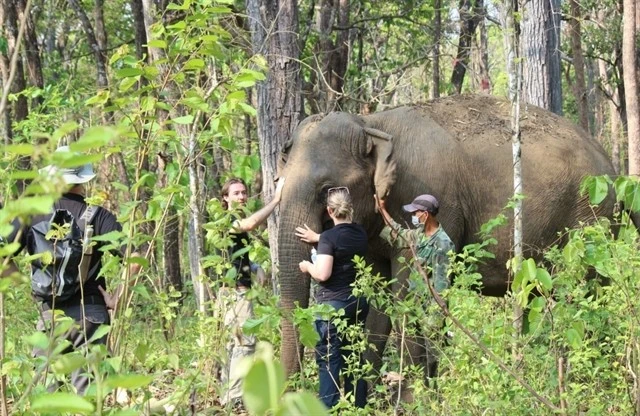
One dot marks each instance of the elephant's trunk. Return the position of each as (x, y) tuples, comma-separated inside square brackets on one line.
[(294, 285)]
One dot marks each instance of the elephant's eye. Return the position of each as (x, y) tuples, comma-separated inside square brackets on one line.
[(323, 194)]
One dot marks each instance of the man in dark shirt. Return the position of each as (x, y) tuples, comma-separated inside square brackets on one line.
[(233, 303), (88, 306)]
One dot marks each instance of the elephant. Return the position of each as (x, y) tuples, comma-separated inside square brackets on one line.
[(456, 148)]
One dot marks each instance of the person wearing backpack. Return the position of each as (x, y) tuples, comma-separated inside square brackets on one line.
[(68, 279)]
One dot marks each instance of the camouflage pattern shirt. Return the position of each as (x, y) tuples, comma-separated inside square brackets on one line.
[(431, 250)]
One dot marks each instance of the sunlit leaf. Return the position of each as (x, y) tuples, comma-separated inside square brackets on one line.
[(61, 402), (128, 381), (20, 149), (302, 403), (263, 386), (157, 43), (543, 276), (94, 138), (100, 332), (188, 119), (128, 72), (67, 363), (195, 63)]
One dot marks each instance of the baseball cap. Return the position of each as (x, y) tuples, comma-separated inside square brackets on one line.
[(73, 175), (423, 202)]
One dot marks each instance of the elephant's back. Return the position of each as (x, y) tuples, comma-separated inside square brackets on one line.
[(552, 146)]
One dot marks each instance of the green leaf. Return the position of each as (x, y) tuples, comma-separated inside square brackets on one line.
[(263, 386), (530, 270), (61, 402), (100, 98), (573, 338), (308, 335), (248, 78), (68, 363), (20, 149), (188, 119), (157, 43), (303, 403), (251, 326), (128, 72), (181, 25), (100, 332), (38, 339), (128, 381), (183, 6), (543, 276), (94, 138), (31, 205), (598, 190), (195, 63), (248, 109), (538, 303)]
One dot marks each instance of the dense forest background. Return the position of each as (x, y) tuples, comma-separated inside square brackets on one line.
[(171, 99)]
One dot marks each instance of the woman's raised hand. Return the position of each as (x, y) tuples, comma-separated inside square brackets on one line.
[(307, 235)]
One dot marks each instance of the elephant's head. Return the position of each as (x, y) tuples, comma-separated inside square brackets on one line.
[(324, 152)]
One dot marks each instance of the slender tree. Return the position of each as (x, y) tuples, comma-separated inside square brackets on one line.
[(629, 63), (471, 13), (514, 71), (579, 90), (435, 54)]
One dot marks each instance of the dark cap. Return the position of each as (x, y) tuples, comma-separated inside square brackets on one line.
[(424, 202)]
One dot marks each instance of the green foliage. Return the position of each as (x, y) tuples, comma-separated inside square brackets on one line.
[(263, 389)]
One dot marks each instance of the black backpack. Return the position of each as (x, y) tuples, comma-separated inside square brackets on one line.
[(59, 275)]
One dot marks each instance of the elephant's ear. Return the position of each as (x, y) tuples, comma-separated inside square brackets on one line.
[(380, 147)]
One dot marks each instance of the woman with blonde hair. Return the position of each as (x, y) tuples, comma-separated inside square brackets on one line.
[(335, 272)]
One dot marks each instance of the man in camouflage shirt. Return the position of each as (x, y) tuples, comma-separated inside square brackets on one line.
[(431, 241)]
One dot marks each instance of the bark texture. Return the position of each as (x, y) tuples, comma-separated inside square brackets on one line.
[(542, 83), (274, 25), (629, 63)]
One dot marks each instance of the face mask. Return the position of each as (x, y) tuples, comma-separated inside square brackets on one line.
[(415, 221)]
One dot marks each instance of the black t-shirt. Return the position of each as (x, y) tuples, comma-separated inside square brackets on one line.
[(239, 256), (103, 222), (342, 242)]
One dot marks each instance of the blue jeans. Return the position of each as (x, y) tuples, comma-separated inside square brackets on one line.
[(331, 349)]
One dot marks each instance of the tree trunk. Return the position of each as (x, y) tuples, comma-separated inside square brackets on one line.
[(542, 83), (138, 23), (579, 90), (32, 51), (471, 12), (332, 57), (171, 233), (615, 124), (629, 65), (99, 53), (480, 59), (101, 32), (279, 101), (20, 109), (435, 54), (514, 69)]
